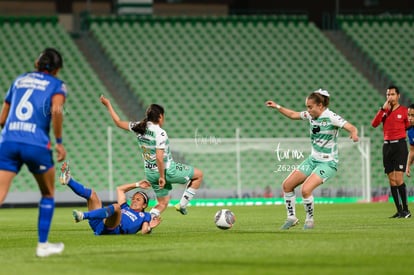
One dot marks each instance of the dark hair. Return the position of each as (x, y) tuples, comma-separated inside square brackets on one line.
[(411, 106), (319, 99), (144, 195), (146, 199), (49, 60), (153, 113), (392, 87)]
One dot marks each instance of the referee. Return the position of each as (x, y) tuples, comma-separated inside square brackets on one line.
[(394, 151)]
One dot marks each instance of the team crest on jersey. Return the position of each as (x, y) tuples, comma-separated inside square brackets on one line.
[(141, 214), (399, 116)]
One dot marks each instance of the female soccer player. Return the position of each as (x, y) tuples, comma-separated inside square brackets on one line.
[(321, 165), (33, 102), (160, 169), (117, 218)]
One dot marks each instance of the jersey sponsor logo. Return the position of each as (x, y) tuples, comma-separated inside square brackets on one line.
[(316, 129), (32, 83), (129, 214), (149, 165)]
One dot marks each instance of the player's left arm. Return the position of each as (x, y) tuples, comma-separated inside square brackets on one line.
[(4, 113), (58, 100), (352, 130), (148, 226)]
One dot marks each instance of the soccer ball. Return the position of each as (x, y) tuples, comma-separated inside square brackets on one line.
[(224, 219)]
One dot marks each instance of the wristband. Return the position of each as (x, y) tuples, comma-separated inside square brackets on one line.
[(137, 184), (278, 106), (58, 140)]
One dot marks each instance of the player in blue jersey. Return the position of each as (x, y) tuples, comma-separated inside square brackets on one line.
[(410, 134), (160, 168), (117, 218), (33, 102), (321, 165)]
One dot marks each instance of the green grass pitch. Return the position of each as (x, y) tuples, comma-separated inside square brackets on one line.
[(347, 239)]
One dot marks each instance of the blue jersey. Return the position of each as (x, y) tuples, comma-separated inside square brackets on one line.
[(410, 134), (30, 99), (131, 221)]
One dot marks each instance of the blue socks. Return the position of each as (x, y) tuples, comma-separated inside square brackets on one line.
[(46, 209), (79, 189), (100, 213)]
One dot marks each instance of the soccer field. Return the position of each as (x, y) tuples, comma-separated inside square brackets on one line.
[(347, 239)]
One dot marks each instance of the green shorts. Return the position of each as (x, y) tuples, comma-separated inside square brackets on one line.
[(178, 173), (324, 169)]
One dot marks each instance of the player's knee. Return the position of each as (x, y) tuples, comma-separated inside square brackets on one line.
[(198, 174), (117, 207), (94, 196), (306, 193), (286, 187)]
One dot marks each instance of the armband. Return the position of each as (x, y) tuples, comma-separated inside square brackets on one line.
[(59, 140)]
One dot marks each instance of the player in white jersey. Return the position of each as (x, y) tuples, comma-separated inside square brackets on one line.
[(160, 168), (322, 163)]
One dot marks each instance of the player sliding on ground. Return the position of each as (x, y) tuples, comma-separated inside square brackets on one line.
[(321, 165), (117, 218)]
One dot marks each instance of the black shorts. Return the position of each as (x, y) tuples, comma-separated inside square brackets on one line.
[(394, 155)]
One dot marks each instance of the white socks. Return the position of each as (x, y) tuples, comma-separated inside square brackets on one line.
[(155, 212), (290, 202), (187, 196), (309, 208)]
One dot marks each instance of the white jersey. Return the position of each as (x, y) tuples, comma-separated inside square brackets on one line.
[(154, 138), (324, 133)]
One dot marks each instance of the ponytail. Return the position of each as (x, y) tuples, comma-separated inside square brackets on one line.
[(153, 114), (140, 127)]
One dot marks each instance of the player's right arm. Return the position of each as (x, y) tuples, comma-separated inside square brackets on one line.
[(284, 111), (115, 117)]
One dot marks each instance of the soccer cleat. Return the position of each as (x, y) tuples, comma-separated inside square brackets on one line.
[(308, 225), (290, 222), (47, 249), (77, 215), (396, 215), (64, 173), (405, 214), (180, 209)]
